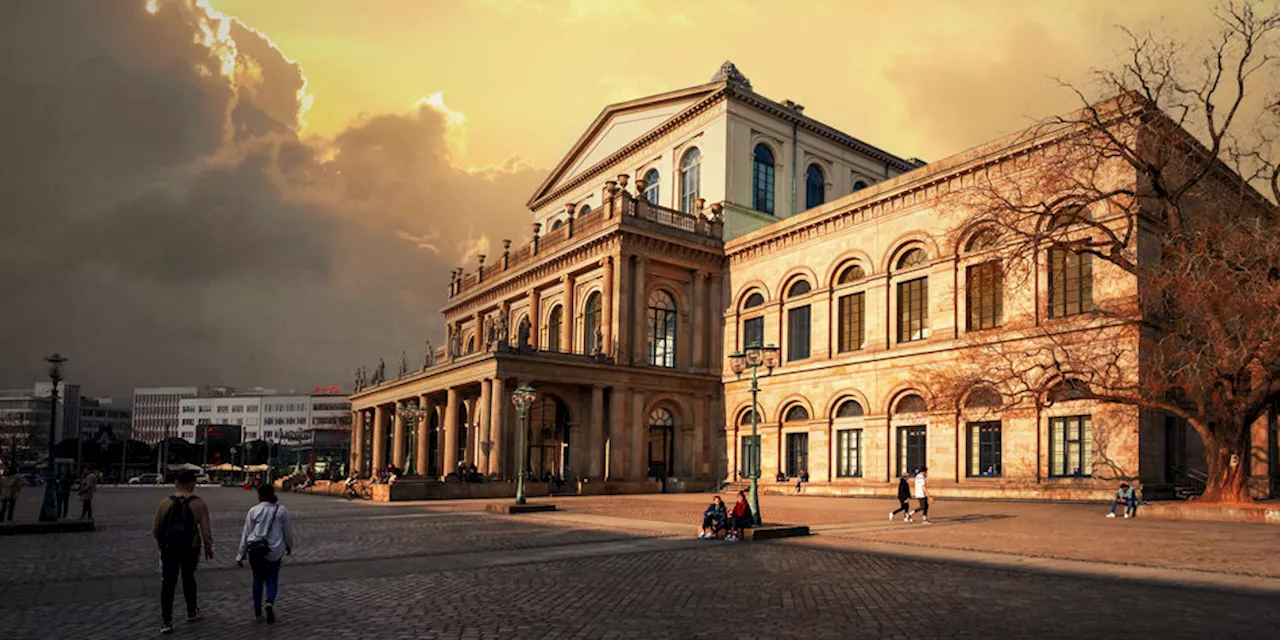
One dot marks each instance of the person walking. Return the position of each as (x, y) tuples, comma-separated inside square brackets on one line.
[(904, 501), (266, 539), (922, 494), (62, 491), (10, 487), (181, 529), (88, 486)]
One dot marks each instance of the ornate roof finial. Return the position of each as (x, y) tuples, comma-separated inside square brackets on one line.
[(729, 73)]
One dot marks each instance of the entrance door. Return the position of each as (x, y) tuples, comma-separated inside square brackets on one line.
[(911, 451), (661, 444), (1175, 447), (797, 453)]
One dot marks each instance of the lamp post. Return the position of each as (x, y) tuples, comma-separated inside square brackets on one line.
[(753, 357), (523, 398), (49, 509)]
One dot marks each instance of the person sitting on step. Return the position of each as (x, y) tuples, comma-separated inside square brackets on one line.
[(713, 520)]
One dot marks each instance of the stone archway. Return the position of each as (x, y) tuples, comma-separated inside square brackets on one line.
[(661, 450), (548, 437)]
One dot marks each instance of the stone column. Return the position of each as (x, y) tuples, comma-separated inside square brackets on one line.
[(568, 322), (639, 332), (397, 437), (497, 418), (599, 437), (715, 308), (424, 435), (478, 320), (701, 330), (701, 427), (484, 411), (469, 431), (450, 426), (357, 439), (639, 436), (535, 314), (379, 437), (619, 408), (606, 314)]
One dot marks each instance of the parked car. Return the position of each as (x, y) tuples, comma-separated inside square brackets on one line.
[(146, 478), (204, 480)]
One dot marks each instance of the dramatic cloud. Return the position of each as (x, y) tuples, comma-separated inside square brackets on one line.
[(168, 220)]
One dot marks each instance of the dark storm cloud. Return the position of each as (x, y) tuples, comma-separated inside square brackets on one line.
[(164, 224)]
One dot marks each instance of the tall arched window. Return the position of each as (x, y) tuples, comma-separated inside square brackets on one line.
[(591, 323), (796, 413), (753, 328), (471, 344), (762, 180), (584, 210), (651, 188), (815, 187), (556, 225), (662, 329), (849, 409), (555, 320), (662, 431), (859, 185), (913, 299), (690, 179), (798, 323)]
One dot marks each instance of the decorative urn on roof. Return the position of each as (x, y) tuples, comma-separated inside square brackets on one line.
[(730, 74)]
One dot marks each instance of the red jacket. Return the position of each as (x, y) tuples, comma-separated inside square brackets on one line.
[(741, 510)]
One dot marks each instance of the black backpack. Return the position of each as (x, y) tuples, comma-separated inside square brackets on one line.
[(178, 528)]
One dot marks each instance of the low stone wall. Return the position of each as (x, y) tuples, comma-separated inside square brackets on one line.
[(1268, 513), (1065, 491), (608, 488)]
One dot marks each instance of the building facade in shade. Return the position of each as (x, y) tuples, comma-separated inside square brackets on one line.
[(265, 416), (24, 419), (155, 412), (685, 226), (100, 418)]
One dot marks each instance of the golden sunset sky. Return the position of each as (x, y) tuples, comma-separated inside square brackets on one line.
[(925, 78)]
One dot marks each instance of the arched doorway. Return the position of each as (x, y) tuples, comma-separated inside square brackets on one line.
[(461, 429), (548, 437), (662, 432)]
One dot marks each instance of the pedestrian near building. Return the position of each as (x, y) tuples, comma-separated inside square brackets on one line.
[(10, 487), (88, 486), (266, 539), (62, 490), (181, 529), (904, 501), (922, 494)]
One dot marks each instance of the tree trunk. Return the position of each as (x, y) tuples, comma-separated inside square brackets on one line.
[(1228, 483)]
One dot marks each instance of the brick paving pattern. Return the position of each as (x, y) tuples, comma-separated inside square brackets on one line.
[(563, 580)]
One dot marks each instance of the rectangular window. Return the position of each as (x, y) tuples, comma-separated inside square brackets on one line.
[(752, 332), (852, 329), (913, 310), (911, 452), (1070, 447), (984, 449), (750, 458), (798, 333), (849, 453), (237, 409), (1070, 283), (222, 408), (984, 301), (797, 453)]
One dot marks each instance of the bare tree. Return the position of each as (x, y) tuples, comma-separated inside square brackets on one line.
[(1167, 191)]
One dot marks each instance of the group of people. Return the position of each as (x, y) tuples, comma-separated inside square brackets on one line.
[(921, 493), (719, 521), (63, 484), (182, 531)]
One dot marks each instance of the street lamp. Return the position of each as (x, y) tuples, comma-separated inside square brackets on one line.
[(49, 510), (754, 357), (523, 398)]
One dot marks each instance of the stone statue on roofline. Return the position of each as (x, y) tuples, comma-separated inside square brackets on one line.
[(379, 374), (428, 357), (360, 381), (404, 365), (504, 335)]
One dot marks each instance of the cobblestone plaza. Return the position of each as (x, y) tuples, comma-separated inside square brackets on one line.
[(628, 567)]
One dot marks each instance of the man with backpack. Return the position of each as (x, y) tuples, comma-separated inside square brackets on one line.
[(181, 528)]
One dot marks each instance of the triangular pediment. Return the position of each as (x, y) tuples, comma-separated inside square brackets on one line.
[(617, 126)]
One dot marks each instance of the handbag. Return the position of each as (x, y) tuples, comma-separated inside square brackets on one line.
[(260, 547)]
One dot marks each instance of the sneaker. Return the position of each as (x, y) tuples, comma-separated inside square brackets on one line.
[(1111, 515), (890, 516), (271, 613), (193, 616), (927, 522), (702, 536), (1126, 516), (166, 629)]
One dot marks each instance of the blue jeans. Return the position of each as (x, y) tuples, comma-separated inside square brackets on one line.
[(265, 572)]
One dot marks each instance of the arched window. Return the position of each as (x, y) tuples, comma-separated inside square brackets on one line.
[(584, 210), (661, 443), (796, 413), (662, 329), (1067, 390), (690, 179), (1069, 216), (849, 409), (591, 324), (859, 185), (555, 320), (799, 326), (556, 225), (981, 240), (815, 187), (799, 288), (745, 418), (651, 188), (471, 344), (754, 300), (982, 398), (910, 403), (762, 180), (753, 328), (852, 273), (913, 258)]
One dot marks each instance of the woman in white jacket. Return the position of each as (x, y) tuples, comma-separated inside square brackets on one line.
[(267, 538)]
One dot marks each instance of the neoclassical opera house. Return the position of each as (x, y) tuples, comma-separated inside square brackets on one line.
[(681, 227)]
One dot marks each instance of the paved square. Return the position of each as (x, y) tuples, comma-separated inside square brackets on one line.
[(447, 570)]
